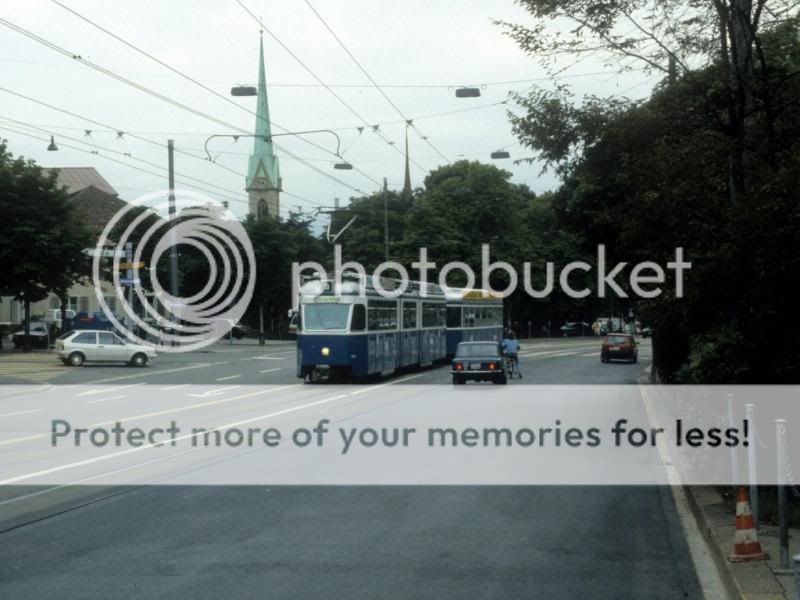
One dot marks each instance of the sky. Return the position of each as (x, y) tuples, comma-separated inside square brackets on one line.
[(418, 51)]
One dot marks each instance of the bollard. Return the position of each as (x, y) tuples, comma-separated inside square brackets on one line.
[(797, 576), (734, 454), (751, 463), (783, 525)]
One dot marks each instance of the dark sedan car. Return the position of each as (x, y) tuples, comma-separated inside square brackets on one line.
[(478, 361), (619, 346), (576, 329), (38, 337)]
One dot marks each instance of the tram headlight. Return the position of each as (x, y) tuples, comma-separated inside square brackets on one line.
[(326, 351)]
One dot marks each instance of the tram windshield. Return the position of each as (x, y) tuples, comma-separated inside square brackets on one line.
[(323, 317)]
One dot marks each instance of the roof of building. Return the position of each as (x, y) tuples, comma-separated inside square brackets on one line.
[(96, 208), (76, 179)]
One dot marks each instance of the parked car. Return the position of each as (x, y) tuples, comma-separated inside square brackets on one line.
[(576, 328), (478, 361), (38, 337), (619, 346), (647, 332), (77, 347)]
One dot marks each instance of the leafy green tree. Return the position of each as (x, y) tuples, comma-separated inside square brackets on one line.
[(42, 240)]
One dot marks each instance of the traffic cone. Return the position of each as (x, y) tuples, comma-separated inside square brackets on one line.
[(745, 540)]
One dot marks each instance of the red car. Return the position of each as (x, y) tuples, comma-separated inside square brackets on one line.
[(619, 346)]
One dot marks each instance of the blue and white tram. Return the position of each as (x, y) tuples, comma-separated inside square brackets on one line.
[(348, 335), (472, 316)]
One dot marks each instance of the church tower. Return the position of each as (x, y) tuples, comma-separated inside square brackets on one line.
[(263, 184)]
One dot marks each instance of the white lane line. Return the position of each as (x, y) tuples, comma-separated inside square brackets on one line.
[(174, 387), (179, 438), (22, 412), (149, 373), (375, 387), (214, 392), (228, 377), (595, 354), (158, 413), (104, 390), (104, 399), (270, 370)]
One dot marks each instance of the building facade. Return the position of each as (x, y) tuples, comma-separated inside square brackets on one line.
[(263, 184)]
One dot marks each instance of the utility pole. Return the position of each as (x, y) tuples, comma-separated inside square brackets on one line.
[(385, 220), (173, 252)]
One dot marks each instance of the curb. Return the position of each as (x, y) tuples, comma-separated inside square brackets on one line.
[(707, 531)]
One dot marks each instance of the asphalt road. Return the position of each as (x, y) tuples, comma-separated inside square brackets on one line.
[(335, 541)]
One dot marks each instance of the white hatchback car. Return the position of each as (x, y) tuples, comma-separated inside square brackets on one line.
[(76, 347)]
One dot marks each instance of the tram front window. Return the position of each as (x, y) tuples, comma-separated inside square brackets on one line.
[(323, 317)]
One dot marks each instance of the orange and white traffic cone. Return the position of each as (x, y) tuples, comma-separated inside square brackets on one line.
[(745, 541)]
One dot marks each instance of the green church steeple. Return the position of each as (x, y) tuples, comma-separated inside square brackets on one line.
[(263, 182)]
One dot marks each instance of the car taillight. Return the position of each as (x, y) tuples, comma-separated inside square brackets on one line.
[(459, 367), (492, 366)]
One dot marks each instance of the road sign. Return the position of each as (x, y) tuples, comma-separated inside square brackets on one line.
[(105, 253), (131, 265), (126, 281)]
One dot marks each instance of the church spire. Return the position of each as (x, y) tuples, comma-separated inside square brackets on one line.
[(407, 180), (263, 182)]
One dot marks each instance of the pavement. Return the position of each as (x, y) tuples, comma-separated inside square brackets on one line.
[(757, 580), (205, 541)]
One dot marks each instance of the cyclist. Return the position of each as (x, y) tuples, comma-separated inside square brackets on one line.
[(510, 347)]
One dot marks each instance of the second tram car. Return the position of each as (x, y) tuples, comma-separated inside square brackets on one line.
[(343, 335)]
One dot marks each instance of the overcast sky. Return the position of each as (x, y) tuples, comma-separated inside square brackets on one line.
[(430, 46)]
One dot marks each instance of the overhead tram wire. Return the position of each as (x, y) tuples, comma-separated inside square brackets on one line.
[(374, 128), (184, 176), (164, 98), (192, 79), (409, 122), (120, 162)]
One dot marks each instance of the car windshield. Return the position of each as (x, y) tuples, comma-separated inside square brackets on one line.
[(466, 350), (323, 317), (618, 339)]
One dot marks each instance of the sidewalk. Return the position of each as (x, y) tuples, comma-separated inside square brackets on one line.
[(748, 580)]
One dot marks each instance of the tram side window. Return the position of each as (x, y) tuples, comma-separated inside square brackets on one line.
[(359, 319), (453, 316), (469, 316), (441, 315), (381, 314), (432, 314), (409, 315)]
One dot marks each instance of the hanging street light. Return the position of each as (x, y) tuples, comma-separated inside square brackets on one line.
[(244, 90), (52, 147), (500, 154), (468, 92)]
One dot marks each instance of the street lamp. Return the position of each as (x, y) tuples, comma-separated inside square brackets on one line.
[(52, 147), (468, 92), (499, 154), (244, 90)]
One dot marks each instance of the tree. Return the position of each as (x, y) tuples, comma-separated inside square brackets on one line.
[(40, 249), (674, 37)]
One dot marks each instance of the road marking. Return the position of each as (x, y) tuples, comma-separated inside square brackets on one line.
[(157, 414), (173, 387), (104, 457), (104, 399), (22, 412), (270, 370), (35, 389), (214, 392), (227, 378), (103, 391), (375, 387), (148, 373), (595, 354)]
